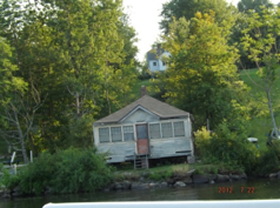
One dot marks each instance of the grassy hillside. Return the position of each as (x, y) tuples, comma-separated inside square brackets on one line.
[(259, 126)]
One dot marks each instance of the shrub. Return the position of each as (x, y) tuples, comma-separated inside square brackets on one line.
[(67, 171), (8, 180), (228, 148), (270, 159)]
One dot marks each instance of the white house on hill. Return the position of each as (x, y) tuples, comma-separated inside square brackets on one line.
[(155, 59)]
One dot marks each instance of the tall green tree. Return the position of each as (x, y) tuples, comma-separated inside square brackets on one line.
[(14, 123), (246, 5), (77, 58), (202, 77), (261, 41), (244, 8), (225, 13)]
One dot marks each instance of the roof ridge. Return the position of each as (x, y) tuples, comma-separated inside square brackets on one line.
[(155, 106)]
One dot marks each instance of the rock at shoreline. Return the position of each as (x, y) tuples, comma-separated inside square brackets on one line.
[(164, 184), (179, 184), (139, 186), (278, 174), (126, 185), (171, 181), (200, 178), (243, 176), (212, 177), (153, 185), (188, 181), (272, 175), (235, 177), (222, 178)]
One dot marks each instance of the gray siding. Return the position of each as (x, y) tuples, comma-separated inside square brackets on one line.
[(119, 151), (140, 116), (169, 147)]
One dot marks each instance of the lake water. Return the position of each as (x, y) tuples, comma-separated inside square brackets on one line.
[(251, 189)]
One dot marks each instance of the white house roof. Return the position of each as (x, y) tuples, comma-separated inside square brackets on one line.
[(161, 109)]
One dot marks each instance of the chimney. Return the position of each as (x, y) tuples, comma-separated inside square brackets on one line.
[(143, 90)]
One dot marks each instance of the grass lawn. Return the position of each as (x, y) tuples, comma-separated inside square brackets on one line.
[(166, 171), (259, 126), (136, 88)]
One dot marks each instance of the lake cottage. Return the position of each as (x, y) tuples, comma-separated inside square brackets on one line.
[(145, 129)]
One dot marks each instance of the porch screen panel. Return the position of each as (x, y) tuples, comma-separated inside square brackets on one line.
[(167, 130), (104, 135), (128, 133), (179, 129), (116, 133), (154, 131)]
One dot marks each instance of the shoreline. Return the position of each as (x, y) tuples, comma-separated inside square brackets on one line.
[(144, 182)]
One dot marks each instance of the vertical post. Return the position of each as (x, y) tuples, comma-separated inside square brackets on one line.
[(15, 168), (31, 156), (208, 125)]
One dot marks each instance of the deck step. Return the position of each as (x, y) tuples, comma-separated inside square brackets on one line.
[(141, 161)]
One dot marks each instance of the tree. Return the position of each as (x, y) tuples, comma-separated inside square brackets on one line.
[(13, 131), (244, 8), (225, 13), (202, 77), (77, 57), (246, 5), (261, 41)]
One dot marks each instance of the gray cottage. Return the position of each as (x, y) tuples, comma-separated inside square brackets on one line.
[(146, 128)]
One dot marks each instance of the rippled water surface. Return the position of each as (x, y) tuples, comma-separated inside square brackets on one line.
[(251, 189)]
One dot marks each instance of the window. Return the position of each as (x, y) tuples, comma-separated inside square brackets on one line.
[(163, 63), (167, 130), (128, 133), (179, 129), (104, 135), (116, 133), (154, 131), (154, 63)]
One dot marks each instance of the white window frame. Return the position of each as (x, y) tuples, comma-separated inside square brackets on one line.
[(122, 136), (102, 127), (184, 126), (186, 123), (133, 128), (160, 133), (169, 121)]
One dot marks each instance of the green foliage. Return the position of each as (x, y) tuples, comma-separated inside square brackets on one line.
[(202, 77), (78, 58), (159, 175), (225, 13), (261, 42), (8, 180), (202, 140), (245, 5), (270, 160), (229, 148), (70, 171)]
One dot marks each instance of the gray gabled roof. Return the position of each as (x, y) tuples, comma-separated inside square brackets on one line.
[(161, 109), (154, 54)]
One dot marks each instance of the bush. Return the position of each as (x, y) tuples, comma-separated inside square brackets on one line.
[(228, 148), (8, 180), (68, 171), (270, 159)]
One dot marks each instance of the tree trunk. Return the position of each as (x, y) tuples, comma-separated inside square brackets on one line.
[(272, 113), (77, 104), (21, 138)]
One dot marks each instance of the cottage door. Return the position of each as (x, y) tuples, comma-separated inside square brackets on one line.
[(142, 139)]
